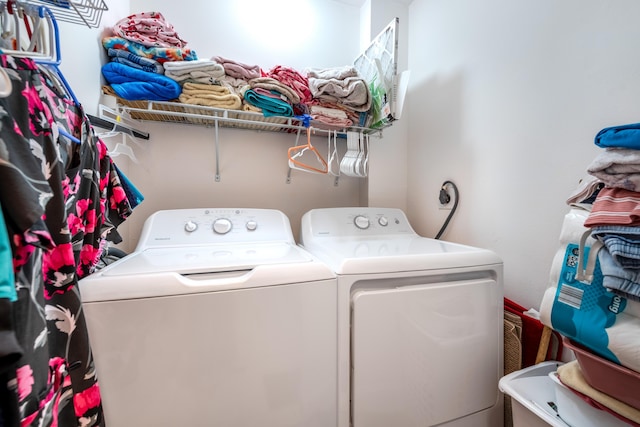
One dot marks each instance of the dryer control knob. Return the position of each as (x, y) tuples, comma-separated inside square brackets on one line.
[(383, 221), (190, 227), (251, 225), (361, 221), (222, 226)]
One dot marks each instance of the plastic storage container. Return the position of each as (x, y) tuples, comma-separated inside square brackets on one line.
[(610, 378), (533, 396)]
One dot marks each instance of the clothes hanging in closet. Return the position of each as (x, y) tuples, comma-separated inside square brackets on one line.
[(61, 202)]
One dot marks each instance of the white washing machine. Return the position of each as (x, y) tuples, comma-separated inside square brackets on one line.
[(420, 322), (217, 318)]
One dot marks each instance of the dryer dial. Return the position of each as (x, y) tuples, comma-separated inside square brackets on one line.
[(190, 226), (361, 221), (383, 221), (222, 226), (251, 225)]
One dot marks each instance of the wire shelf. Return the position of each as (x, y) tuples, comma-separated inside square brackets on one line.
[(83, 12), (169, 111)]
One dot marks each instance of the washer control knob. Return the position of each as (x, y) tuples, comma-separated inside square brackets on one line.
[(361, 221), (190, 226), (222, 226), (383, 221), (251, 225)]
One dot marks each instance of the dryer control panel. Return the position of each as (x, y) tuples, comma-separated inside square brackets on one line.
[(346, 222), (213, 225)]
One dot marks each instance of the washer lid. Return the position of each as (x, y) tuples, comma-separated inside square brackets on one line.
[(206, 259), (355, 255)]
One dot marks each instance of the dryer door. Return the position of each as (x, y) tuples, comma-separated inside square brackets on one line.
[(427, 354)]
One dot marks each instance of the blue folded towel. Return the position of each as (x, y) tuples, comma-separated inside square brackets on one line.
[(132, 84), (270, 106), (623, 136)]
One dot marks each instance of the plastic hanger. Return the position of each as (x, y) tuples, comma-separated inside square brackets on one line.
[(121, 148), (333, 154), (297, 152)]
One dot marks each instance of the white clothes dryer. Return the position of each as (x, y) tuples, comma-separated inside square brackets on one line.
[(218, 318), (420, 321)]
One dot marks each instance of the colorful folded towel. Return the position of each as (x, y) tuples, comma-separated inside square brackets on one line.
[(160, 54)]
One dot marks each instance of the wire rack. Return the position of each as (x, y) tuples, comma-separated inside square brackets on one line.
[(83, 12)]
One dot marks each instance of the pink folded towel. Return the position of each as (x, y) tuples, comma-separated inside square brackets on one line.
[(238, 69)]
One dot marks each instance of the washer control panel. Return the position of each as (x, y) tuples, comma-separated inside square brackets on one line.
[(346, 222), (214, 225)]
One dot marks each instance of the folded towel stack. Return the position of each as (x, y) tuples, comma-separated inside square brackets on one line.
[(148, 29), (340, 85), (131, 59), (209, 95), (160, 54), (198, 71), (238, 69), (133, 84)]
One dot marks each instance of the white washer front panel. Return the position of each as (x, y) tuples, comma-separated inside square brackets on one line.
[(424, 355), (250, 357)]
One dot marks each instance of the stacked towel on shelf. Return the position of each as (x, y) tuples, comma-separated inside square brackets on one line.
[(132, 84), (269, 104), (142, 49), (329, 118), (160, 54), (238, 69), (294, 80), (140, 62), (235, 85), (271, 97), (198, 71), (340, 85), (209, 95), (148, 29), (268, 85)]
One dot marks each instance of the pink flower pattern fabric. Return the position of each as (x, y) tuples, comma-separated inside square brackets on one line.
[(148, 29), (61, 200)]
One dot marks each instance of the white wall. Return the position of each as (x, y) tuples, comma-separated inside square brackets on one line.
[(506, 98)]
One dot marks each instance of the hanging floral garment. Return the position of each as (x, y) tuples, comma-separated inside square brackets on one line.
[(61, 200)]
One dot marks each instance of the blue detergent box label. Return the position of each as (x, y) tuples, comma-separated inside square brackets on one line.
[(584, 310)]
